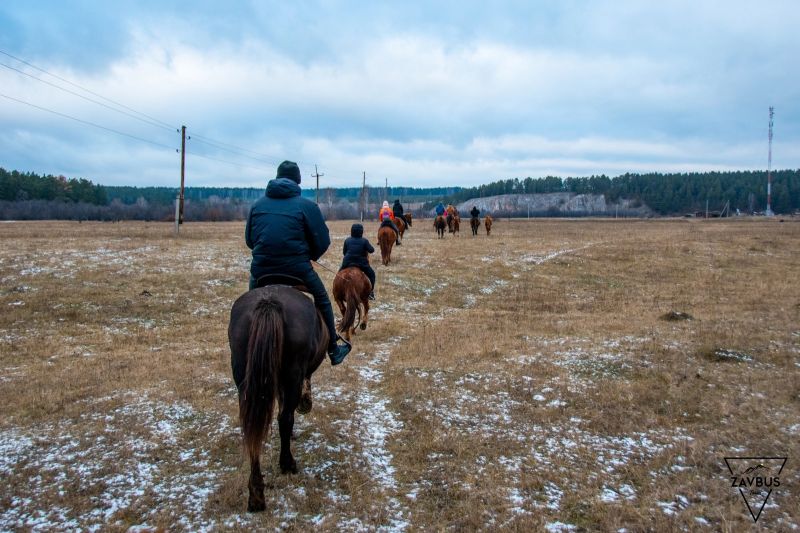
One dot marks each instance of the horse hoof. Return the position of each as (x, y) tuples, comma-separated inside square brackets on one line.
[(290, 468), (305, 405), (363, 326), (256, 506)]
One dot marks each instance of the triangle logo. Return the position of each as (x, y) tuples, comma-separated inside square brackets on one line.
[(755, 478)]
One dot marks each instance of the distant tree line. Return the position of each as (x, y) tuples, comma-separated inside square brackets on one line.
[(166, 195), (28, 196), (666, 194), (21, 186)]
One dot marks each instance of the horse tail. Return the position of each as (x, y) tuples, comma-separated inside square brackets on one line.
[(352, 303), (385, 241), (261, 381)]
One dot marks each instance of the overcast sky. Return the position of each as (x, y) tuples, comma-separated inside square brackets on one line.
[(419, 93)]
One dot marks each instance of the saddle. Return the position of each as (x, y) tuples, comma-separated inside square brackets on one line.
[(387, 222), (282, 279)]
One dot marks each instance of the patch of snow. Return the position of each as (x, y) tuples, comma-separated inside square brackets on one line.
[(559, 527)]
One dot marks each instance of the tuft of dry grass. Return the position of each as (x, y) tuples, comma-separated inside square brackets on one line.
[(543, 377)]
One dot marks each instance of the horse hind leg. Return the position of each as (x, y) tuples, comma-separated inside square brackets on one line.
[(365, 304), (291, 399), (255, 488), (305, 404)]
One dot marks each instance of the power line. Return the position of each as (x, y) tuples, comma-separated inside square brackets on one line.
[(229, 162), (87, 90), (222, 146), (243, 152), (86, 97), (87, 122)]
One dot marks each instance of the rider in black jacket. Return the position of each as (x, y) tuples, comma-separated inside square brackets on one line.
[(356, 253), (286, 232), (397, 209)]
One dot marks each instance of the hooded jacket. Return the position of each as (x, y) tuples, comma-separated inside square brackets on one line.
[(397, 209), (356, 248), (285, 230)]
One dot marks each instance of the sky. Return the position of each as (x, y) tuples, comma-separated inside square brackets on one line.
[(409, 93)]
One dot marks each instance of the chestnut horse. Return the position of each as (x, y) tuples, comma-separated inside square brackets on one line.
[(277, 340), (408, 217), (351, 288), (487, 221), (386, 238), (474, 223), (456, 224), (439, 224)]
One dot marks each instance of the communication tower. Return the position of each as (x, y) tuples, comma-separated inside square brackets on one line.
[(769, 212)]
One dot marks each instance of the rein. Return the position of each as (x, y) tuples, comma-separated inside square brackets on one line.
[(323, 266)]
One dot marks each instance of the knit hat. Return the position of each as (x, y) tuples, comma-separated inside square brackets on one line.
[(289, 170), (357, 230), (385, 203)]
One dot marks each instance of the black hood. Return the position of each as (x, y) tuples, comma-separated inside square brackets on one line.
[(282, 188), (357, 230)]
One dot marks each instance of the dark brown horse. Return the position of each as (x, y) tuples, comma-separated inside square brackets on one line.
[(386, 238), (439, 224), (474, 223), (408, 217), (277, 340), (351, 288), (487, 222), (401, 225)]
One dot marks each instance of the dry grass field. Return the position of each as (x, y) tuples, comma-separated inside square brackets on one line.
[(531, 380)]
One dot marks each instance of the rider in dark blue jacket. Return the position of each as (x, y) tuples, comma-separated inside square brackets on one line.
[(356, 253), (286, 232)]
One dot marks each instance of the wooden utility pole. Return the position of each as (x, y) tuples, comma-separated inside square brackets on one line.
[(386, 189), (317, 175), (363, 195), (183, 170)]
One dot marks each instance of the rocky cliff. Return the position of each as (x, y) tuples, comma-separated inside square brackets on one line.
[(559, 204)]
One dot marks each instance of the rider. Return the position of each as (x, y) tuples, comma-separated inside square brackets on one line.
[(385, 216), (440, 209), (397, 209), (356, 254), (286, 232), (474, 212)]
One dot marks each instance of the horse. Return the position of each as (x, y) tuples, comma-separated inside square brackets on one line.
[(408, 217), (456, 224), (401, 225), (439, 224), (386, 238), (277, 340), (487, 221), (351, 288), (474, 223)]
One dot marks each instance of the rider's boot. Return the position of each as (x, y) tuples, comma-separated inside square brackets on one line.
[(339, 351)]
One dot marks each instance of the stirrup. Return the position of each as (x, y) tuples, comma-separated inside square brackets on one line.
[(345, 341)]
